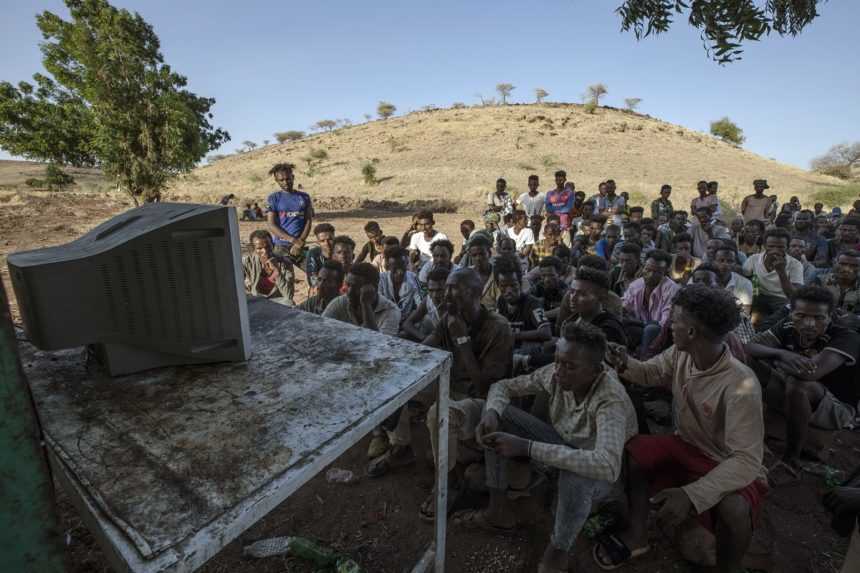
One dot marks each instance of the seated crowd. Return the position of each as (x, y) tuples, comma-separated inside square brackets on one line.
[(565, 313)]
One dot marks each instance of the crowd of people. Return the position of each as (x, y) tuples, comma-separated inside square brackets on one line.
[(565, 314)]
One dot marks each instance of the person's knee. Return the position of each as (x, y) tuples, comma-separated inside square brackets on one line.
[(431, 418), (734, 511)]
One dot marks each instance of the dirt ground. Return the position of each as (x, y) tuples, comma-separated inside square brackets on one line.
[(376, 521)]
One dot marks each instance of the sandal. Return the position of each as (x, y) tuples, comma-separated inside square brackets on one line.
[(388, 461), (615, 552), (427, 509), (477, 519), (379, 444)]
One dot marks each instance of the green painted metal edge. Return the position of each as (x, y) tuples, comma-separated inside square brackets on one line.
[(30, 539)]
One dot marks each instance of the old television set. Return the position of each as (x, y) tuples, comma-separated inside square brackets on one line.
[(158, 285)]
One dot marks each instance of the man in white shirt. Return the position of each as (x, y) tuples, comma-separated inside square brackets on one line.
[(419, 244), (522, 235), (775, 275), (532, 202)]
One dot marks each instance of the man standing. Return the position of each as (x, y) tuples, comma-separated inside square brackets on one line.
[(612, 205), (560, 200), (419, 244), (661, 208), (813, 378), (532, 202), (704, 200), (710, 469), (590, 419), (775, 275), (290, 214), (500, 201), (649, 299), (757, 206), (362, 305), (713, 186), (705, 228)]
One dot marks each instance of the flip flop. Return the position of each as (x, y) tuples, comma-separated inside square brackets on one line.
[(427, 509), (477, 519), (616, 550), (386, 462)]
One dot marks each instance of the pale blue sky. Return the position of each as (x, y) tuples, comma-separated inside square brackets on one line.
[(274, 66)]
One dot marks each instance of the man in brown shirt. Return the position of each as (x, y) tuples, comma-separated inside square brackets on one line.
[(711, 468), (755, 207)]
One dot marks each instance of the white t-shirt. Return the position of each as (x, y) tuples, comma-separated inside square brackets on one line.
[(742, 288), (423, 245), (768, 282), (523, 239), (532, 205)]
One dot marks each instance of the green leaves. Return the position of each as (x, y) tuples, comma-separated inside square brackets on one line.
[(724, 24), (112, 102)]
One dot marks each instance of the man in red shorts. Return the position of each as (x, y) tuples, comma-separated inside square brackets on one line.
[(711, 467)]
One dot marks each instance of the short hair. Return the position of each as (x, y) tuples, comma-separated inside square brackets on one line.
[(797, 238), (470, 277), (729, 246), (632, 225), (665, 187), (593, 276), (852, 221), (700, 183), (260, 234), (424, 214), (589, 202), (395, 251), (813, 294), (682, 238), (390, 241), (532, 176), (333, 266), (561, 172), (594, 262), (806, 211), (502, 179), (677, 212), (659, 256), (599, 219), (651, 228), (629, 248), (372, 227), (467, 223), (438, 274), (713, 184), (344, 240), (714, 308), (324, 228), (553, 262), (611, 226), (586, 337), (367, 272), (520, 215), (756, 223), (445, 244), (637, 209), (480, 241), (507, 266), (706, 267), (506, 240), (779, 233), (279, 167), (562, 252)]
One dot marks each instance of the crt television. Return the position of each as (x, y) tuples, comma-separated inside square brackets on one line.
[(158, 285)]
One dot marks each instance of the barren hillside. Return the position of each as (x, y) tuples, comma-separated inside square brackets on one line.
[(457, 154)]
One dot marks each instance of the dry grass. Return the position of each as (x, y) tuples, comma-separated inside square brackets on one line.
[(457, 154)]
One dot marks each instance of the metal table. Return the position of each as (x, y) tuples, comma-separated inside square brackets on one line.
[(168, 466)]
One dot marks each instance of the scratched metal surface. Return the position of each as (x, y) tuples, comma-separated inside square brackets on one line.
[(164, 453)]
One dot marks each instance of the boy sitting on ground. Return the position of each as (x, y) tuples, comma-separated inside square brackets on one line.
[(590, 420), (711, 468)]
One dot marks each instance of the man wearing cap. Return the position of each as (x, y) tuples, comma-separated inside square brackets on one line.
[(757, 206)]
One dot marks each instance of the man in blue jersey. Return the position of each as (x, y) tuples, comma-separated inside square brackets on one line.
[(290, 214)]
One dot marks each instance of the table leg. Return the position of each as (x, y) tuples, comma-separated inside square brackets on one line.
[(443, 389)]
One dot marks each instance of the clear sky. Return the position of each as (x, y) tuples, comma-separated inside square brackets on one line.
[(275, 65)]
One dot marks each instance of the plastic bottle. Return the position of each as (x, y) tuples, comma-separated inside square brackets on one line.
[(337, 475), (348, 566), (313, 552), (755, 285)]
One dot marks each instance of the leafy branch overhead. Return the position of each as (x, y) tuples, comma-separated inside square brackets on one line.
[(724, 25)]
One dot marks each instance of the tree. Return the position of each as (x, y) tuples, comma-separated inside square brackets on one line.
[(367, 117), (368, 171), (839, 160), (249, 145), (724, 24), (726, 130), (266, 142), (540, 93), (292, 135), (504, 91), (324, 125), (595, 92), (385, 109), (632, 103), (215, 157), (111, 102)]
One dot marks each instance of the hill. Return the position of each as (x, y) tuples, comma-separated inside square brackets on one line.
[(456, 155)]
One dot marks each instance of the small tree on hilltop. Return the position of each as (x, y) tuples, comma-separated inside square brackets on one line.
[(325, 125), (839, 160), (385, 109), (726, 130), (504, 91), (540, 94), (249, 145), (597, 91), (292, 135), (631, 103)]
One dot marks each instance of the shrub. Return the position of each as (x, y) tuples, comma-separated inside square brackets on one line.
[(368, 171), (589, 107), (838, 161), (458, 105), (504, 91), (836, 195), (216, 157), (56, 179), (540, 94), (35, 183), (727, 131), (597, 91), (385, 109), (319, 154), (324, 125), (292, 135), (631, 103), (249, 145)]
